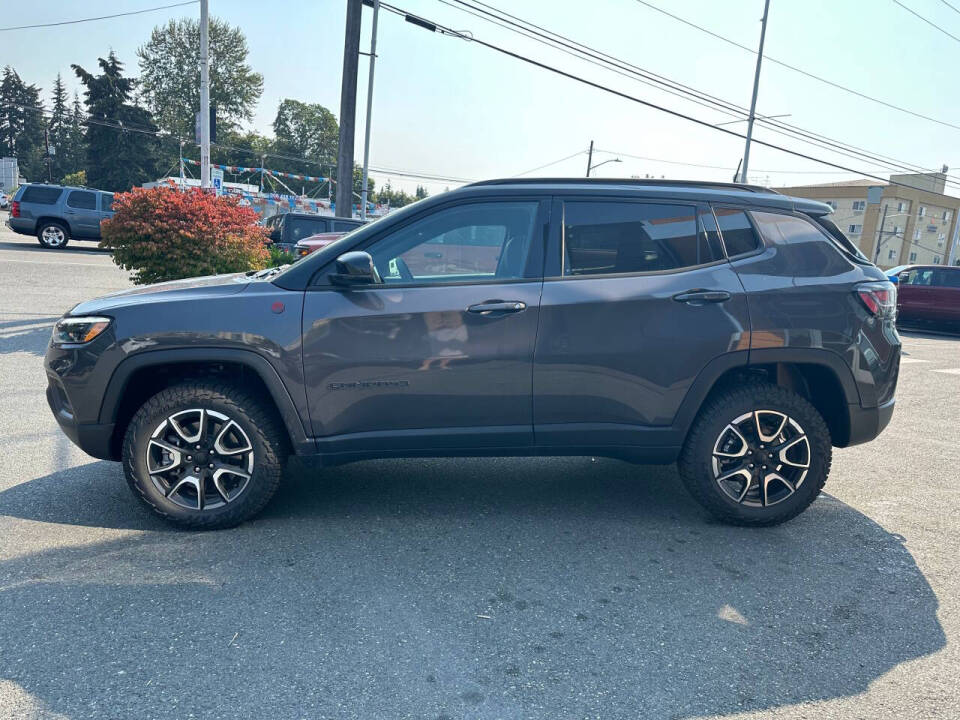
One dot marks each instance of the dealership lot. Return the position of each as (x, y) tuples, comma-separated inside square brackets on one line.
[(505, 588)]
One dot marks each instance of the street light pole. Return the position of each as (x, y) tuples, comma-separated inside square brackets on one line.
[(366, 133), (883, 221), (756, 89), (204, 94)]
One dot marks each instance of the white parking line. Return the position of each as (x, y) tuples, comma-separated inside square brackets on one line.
[(55, 262), (905, 360), (949, 371)]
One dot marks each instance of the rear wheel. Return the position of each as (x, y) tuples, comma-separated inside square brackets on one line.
[(53, 235), (204, 455), (757, 455)]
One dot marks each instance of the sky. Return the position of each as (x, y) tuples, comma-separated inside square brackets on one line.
[(446, 106)]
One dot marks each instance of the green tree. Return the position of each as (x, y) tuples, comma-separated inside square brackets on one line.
[(122, 148), (304, 130), (76, 160), (59, 130), (22, 124), (170, 76)]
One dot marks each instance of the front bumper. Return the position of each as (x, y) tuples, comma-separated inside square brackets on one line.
[(93, 438), (867, 423)]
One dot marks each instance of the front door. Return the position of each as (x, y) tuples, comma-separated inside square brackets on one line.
[(638, 299), (439, 354)]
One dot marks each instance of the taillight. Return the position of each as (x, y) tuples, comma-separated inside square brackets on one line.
[(880, 298), (15, 209)]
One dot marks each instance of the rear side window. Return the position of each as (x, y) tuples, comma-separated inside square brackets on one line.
[(106, 201), (298, 228), (41, 195), (606, 237), (738, 235), (344, 225), (82, 200), (948, 278)]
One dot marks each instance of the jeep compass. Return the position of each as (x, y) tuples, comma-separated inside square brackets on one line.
[(727, 328)]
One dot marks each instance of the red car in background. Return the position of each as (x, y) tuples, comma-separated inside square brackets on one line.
[(315, 242), (929, 295)]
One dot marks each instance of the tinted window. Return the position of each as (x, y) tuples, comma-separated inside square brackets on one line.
[(738, 234), (41, 195), (625, 237), (920, 276), (106, 201), (82, 199), (297, 228), (477, 241), (344, 225), (946, 278)]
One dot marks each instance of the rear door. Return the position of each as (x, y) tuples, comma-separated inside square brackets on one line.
[(81, 211), (439, 354), (916, 295), (945, 295), (637, 300)]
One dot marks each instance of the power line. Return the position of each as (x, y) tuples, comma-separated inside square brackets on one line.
[(952, 7), (102, 17), (724, 167), (602, 59), (928, 22), (549, 164), (674, 113), (811, 75)]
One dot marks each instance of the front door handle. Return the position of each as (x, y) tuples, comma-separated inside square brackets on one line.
[(497, 306), (701, 297)]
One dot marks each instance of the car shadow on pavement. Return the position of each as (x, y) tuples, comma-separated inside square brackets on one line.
[(495, 588)]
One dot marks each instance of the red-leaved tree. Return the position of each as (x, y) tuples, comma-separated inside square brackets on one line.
[(165, 234)]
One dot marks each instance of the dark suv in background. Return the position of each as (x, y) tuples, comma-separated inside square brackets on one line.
[(726, 327), (56, 213), (287, 229)]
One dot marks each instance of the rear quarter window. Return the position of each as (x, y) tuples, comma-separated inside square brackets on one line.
[(739, 237), (41, 195), (806, 247)]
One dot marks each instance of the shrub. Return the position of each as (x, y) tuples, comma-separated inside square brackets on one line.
[(279, 257), (165, 234)]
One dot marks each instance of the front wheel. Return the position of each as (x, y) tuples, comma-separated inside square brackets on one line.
[(756, 455), (204, 454)]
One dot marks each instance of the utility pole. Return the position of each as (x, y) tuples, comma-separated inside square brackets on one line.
[(46, 144), (182, 169), (883, 221), (589, 158), (204, 94), (348, 109), (756, 88), (366, 134)]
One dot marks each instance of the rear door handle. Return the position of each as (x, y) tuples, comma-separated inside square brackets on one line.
[(497, 306), (701, 297)]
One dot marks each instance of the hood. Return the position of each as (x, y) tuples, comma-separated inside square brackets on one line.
[(187, 289)]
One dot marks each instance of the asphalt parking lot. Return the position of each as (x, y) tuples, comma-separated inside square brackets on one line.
[(505, 588)]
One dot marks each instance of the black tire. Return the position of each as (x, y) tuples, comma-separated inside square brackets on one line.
[(255, 418), (697, 467), (53, 235)]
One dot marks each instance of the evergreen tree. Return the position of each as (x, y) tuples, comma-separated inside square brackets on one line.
[(22, 124), (76, 139), (122, 147), (59, 129)]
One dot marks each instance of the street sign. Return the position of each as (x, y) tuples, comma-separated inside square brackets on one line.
[(216, 180)]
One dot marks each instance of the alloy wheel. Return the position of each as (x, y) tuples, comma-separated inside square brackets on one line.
[(761, 458), (199, 459), (53, 236)]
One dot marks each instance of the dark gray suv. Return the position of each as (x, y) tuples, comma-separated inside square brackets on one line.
[(56, 213), (726, 327)]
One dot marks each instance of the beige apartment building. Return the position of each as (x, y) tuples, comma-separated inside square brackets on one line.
[(919, 221)]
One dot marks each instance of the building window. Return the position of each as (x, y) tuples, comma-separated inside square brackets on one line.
[(859, 205), (922, 211), (896, 229), (946, 216), (936, 259), (891, 254), (913, 257), (899, 207), (855, 229), (940, 238), (916, 234), (832, 203)]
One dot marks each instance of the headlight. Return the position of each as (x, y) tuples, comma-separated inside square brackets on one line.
[(78, 330)]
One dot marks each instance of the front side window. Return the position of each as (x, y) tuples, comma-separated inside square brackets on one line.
[(82, 200), (919, 276), (466, 243), (738, 235), (604, 237)]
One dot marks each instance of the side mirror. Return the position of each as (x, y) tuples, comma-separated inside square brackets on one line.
[(355, 268), (903, 277)]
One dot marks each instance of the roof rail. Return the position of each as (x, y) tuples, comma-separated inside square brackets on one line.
[(626, 181)]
